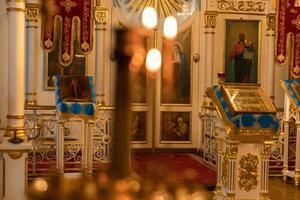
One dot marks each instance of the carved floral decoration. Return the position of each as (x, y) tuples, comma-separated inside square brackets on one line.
[(241, 6), (248, 172)]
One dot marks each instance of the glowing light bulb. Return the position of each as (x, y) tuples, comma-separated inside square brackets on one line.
[(149, 17), (153, 60), (170, 27)]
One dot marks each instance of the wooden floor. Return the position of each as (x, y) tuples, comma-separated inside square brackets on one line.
[(279, 190)]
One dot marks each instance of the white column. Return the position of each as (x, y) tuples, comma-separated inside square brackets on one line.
[(87, 151), (270, 55), (60, 147), (286, 136), (210, 23), (232, 170), (265, 155), (16, 64), (32, 54), (101, 14), (218, 190)]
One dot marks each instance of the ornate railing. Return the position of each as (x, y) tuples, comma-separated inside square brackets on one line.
[(209, 142), (42, 126)]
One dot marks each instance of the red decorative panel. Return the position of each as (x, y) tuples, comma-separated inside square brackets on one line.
[(68, 12), (288, 23)]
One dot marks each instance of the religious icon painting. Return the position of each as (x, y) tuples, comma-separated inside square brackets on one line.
[(176, 78), (138, 126), (75, 89), (78, 67), (241, 51), (175, 127)]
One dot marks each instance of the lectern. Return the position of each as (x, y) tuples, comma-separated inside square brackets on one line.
[(75, 98), (248, 117)]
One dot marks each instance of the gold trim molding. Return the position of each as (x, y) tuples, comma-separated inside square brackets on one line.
[(15, 116), (18, 1), (14, 9), (248, 172), (101, 15), (241, 6), (31, 93), (15, 154)]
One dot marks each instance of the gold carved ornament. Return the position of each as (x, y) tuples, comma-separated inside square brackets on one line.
[(248, 172), (241, 6), (68, 4), (32, 12), (232, 149), (266, 150), (101, 15), (224, 176), (210, 20), (271, 21)]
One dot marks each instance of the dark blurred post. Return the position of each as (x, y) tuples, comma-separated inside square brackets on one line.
[(127, 42)]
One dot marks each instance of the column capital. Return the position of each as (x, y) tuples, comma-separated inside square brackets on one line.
[(266, 150), (232, 149), (271, 21), (32, 12), (101, 14), (210, 19)]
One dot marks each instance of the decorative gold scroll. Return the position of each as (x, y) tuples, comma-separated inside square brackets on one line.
[(241, 6), (248, 172)]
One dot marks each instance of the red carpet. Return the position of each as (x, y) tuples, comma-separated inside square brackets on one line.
[(179, 167)]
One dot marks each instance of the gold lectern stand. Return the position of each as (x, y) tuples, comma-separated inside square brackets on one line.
[(243, 149)]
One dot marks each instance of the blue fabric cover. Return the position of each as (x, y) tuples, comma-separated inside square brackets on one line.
[(247, 120), (84, 109), (288, 83)]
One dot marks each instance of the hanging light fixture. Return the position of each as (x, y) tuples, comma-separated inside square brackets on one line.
[(149, 20)]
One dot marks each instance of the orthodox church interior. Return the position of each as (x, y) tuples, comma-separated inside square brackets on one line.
[(149, 99)]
